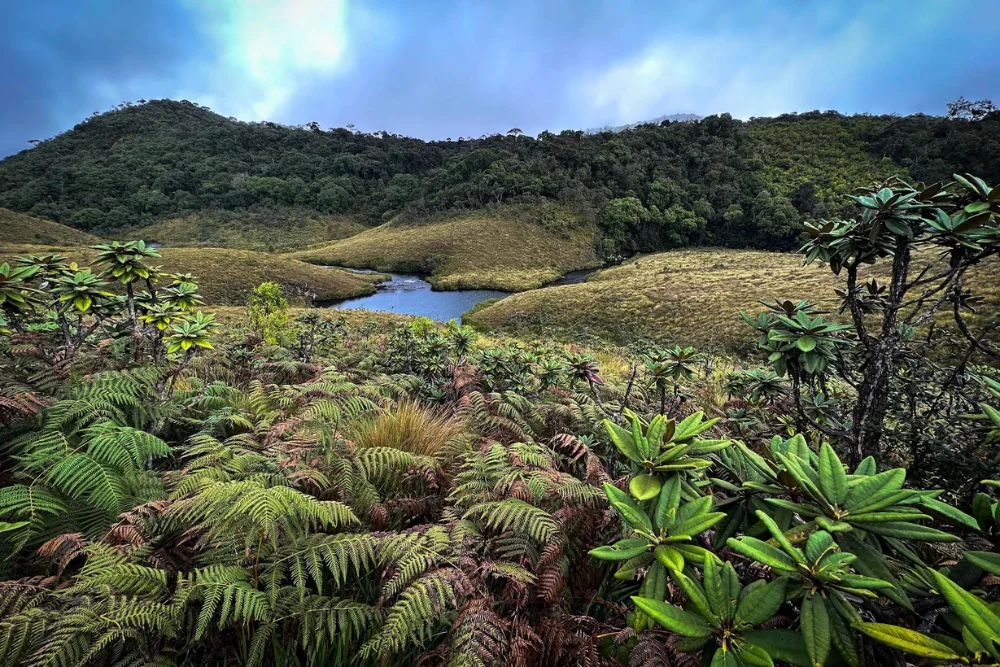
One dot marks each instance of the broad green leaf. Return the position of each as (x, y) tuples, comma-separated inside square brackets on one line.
[(945, 512), (644, 487), (697, 524), (806, 343), (866, 467), (843, 640), (784, 645), (832, 476), (910, 531), (715, 592), (985, 560), (623, 441), (695, 593), (628, 509), (754, 656), (761, 603), (816, 632), (865, 490), (908, 641), (669, 557), (724, 657), (818, 544), (666, 505), (779, 536), (676, 620), (763, 553), (977, 617), (621, 550)]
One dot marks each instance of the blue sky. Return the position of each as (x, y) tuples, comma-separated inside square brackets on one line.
[(437, 68)]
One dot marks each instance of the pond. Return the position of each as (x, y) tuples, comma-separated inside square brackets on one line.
[(410, 295)]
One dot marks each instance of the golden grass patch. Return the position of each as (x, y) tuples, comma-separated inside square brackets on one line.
[(17, 228), (686, 297), (227, 276), (278, 230), (510, 250)]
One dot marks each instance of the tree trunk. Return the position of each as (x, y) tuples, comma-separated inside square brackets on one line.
[(873, 392)]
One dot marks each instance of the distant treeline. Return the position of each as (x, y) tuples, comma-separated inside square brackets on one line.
[(717, 181)]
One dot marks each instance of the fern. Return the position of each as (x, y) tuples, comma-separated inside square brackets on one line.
[(515, 515), (258, 512)]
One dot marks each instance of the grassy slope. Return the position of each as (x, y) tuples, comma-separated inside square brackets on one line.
[(474, 250), (227, 276), (20, 228), (690, 297), (278, 229)]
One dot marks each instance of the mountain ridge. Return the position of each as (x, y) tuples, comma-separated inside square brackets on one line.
[(715, 181)]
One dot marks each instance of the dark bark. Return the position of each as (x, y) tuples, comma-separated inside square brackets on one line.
[(873, 392)]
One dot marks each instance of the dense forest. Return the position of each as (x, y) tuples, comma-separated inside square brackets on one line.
[(718, 181)]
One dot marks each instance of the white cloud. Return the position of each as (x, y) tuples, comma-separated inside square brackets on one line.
[(269, 49), (746, 75)]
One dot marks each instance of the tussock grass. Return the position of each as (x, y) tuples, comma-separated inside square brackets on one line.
[(687, 297), (514, 249), (269, 230), (20, 228), (227, 276), (408, 427)]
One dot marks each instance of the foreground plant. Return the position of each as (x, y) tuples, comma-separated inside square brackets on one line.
[(722, 618)]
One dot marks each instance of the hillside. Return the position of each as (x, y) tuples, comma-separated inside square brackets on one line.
[(20, 228), (270, 230), (227, 276), (514, 249), (718, 181), (689, 297)]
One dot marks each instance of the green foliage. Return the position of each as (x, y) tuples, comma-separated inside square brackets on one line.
[(722, 615), (267, 309)]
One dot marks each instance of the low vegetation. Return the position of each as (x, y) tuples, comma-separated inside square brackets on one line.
[(272, 230), (686, 297), (228, 276), (20, 229), (512, 249)]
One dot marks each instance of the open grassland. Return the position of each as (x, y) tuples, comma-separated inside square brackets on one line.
[(227, 276), (481, 250), (689, 297), (271, 230), (21, 228)]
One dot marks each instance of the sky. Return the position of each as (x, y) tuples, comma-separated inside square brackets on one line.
[(447, 68)]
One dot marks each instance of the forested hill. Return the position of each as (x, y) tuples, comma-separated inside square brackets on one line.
[(717, 181)]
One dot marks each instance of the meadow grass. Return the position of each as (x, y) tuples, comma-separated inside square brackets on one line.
[(272, 230), (513, 249), (18, 228), (227, 276), (685, 297)]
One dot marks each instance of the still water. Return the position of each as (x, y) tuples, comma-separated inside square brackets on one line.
[(409, 295)]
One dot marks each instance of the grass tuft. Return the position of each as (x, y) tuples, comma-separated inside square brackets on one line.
[(408, 427)]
